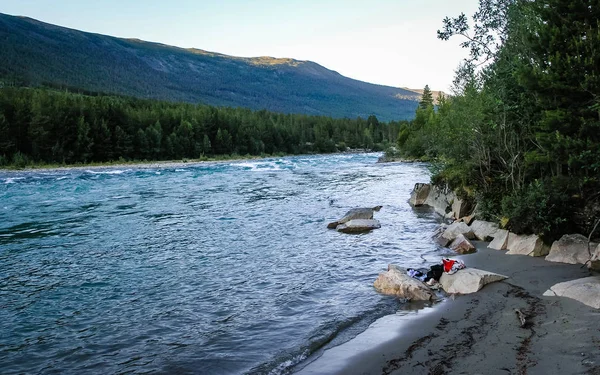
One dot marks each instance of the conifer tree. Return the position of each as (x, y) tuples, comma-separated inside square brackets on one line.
[(426, 98)]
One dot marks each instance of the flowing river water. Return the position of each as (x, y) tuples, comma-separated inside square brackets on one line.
[(222, 268)]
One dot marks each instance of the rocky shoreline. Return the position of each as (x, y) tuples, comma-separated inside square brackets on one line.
[(521, 325)]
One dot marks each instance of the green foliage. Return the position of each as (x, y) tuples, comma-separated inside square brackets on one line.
[(522, 132), (19, 160), (47, 126), (537, 208)]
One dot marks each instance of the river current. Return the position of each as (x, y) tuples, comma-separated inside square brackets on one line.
[(222, 268)]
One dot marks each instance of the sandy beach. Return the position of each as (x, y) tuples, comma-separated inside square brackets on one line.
[(480, 333)]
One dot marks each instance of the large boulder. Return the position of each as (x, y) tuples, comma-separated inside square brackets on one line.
[(572, 249), (586, 290), (484, 230), (500, 240), (353, 214), (419, 194), (440, 199), (468, 280), (358, 226), (462, 245), (531, 245), (460, 208), (396, 282), (457, 228)]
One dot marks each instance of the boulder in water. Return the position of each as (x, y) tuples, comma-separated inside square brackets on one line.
[(353, 214), (396, 282), (358, 226)]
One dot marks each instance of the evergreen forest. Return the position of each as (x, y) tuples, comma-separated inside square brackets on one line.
[(46, 126), (520, 137)]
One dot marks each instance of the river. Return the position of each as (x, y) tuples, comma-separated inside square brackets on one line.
[(214, 268)]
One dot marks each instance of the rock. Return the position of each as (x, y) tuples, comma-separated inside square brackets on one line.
[(396, 282), (500, 240), (457, 228), (358, 226), (440, 199), (460, 208), (595, 262), (586, 290), (462, 246), (419, 194), (468, 280), (355, 213), (468, 219), (571, 249), (443, 241), (484, 230), (531, 245)]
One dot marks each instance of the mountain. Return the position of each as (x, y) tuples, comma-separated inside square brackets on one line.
[(37, 53)]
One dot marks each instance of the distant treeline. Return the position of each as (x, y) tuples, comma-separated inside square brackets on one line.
[(48, 126)]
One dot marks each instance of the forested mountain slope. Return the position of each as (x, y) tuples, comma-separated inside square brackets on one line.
[(36, 53)]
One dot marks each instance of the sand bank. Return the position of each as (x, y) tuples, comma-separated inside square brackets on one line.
[(480, 333)]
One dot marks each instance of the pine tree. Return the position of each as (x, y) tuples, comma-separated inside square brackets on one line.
[(426, 98)]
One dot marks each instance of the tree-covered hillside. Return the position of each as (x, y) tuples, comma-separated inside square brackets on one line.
[(47, 126), (522, 134), (33, 53)]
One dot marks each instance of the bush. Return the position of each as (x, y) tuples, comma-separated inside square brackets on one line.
[(20, 160), (539, 208)]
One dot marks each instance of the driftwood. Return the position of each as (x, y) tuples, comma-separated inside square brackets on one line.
[(522, 317), (588, 243)]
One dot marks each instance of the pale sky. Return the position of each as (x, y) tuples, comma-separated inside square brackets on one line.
[(390, 42)]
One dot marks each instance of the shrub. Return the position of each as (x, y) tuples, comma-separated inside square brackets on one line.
[(539, 208), (20, 160)]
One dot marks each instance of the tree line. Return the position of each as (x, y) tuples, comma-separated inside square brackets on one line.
[(48, 126), (521, 134)]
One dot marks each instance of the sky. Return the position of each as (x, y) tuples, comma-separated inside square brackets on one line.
[(389, 42)]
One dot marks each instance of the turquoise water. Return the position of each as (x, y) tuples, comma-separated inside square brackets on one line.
[(209, 269)]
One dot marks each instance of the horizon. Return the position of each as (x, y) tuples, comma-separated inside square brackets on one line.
[(327, 38)]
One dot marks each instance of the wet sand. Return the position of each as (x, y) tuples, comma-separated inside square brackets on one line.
[(481, 333)]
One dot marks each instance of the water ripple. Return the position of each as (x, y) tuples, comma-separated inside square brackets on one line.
[(220, 268)]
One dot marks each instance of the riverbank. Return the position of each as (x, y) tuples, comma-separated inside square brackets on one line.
[(132, 164), (480, 333), (159, 164)]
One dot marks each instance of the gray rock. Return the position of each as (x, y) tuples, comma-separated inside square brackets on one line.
[(396, 282), (462, 245), (457, 228), (586, 290), (468, 280), (353, 214), (500, 240), (484, 230), (443, 241), (460, 208), (571, 249), (419, 194), (531, 245), (440, 199), (358, 226)]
